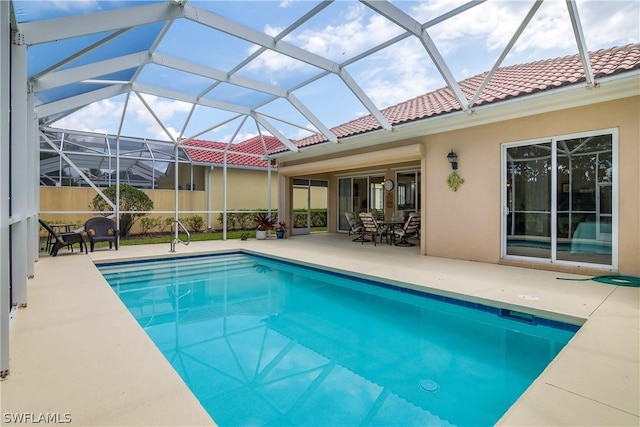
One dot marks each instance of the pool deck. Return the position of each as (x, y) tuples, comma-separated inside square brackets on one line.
[(76, 351)]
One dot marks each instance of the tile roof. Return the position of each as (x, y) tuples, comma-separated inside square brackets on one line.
[(244, 154), (507, 83)]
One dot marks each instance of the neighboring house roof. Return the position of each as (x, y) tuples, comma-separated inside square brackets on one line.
[(247, 154), (506, 83)]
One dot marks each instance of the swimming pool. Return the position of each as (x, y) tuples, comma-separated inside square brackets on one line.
[(264, 342)]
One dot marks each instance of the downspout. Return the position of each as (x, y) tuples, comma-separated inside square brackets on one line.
[(175, 192), (209, 197), (224, 195), (269, 186)]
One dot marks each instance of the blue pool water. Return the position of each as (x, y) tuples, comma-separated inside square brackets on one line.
[(263, 342)]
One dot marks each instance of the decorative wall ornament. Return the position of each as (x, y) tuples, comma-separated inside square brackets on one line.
[(454, 181)]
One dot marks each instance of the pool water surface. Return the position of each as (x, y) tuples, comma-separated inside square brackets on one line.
[(264, 342)]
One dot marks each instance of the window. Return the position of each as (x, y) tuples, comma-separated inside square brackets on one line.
[(559, 199)]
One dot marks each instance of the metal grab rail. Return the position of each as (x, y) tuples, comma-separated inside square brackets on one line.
[(176, 240)]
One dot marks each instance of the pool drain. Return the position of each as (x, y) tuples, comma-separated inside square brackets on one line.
[(429, 385)]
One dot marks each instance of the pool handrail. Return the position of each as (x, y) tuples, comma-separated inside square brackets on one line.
[(175, 239)]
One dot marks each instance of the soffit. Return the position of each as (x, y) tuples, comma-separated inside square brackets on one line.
[(356, 161)]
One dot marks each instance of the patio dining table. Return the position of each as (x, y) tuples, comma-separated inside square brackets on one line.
[(390, 226)]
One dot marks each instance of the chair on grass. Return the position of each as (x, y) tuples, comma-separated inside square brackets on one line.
[(410, 229), (101, 229), (355, 226), (370, 227), (61, 240)]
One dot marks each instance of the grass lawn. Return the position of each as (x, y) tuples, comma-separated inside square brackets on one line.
[(137, 239), (195, 237)]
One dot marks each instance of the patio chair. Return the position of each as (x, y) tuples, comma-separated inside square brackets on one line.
[(101, 229), (355, 226), (61, 240), (370, 227), (411, 229)]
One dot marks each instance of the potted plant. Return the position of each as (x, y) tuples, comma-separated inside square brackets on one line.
[(264, 222), (281, 230)]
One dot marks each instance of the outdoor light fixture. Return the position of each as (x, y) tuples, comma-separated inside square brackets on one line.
[(453, 159)]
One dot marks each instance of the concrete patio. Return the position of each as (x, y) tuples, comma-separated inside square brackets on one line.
[(76, 350)]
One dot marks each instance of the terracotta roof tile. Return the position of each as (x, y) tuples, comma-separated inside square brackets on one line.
[(506, 83), (238, 152)]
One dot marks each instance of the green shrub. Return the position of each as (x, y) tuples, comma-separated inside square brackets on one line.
[(231, 220), (244, 220), (318, 217), (195, 223), (166, 223), (131, 199), (149, 223)]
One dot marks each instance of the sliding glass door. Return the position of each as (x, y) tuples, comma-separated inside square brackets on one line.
[(360, 194), (560, 199)]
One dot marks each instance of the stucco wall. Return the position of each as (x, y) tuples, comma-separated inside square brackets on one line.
[(76, 199), (247, 189), (466, 224)]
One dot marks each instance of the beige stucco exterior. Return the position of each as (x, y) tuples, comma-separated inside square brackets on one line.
[(467, 224)]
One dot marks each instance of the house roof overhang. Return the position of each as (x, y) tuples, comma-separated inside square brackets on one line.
[(610, 88)]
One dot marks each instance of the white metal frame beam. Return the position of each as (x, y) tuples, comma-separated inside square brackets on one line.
[(79, 53), (89, 71), (224, 77), (534, 8), (191, 99), (400, 18), (275, 132), (74, 102), (19, 165), (49, 30), (6, 257), (582, 44), (220, 23)]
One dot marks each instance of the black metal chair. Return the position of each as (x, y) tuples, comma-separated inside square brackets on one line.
[(61, 240), (101, 229)]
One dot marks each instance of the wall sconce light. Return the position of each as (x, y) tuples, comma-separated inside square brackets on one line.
[(453, 159)]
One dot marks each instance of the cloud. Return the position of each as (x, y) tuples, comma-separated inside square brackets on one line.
[(413, 75), (100, 117), (66, 5), (494, 23), (355, 34), (610, 22), (104, 116)]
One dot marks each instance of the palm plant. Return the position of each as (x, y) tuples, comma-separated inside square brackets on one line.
[(264, 221)]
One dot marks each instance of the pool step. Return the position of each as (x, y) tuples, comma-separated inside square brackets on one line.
[(196, 270)]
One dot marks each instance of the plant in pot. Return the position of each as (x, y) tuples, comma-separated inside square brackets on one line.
[(281, 230), (264, 222)]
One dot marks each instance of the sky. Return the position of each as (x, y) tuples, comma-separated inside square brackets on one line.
[(470, 43)]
